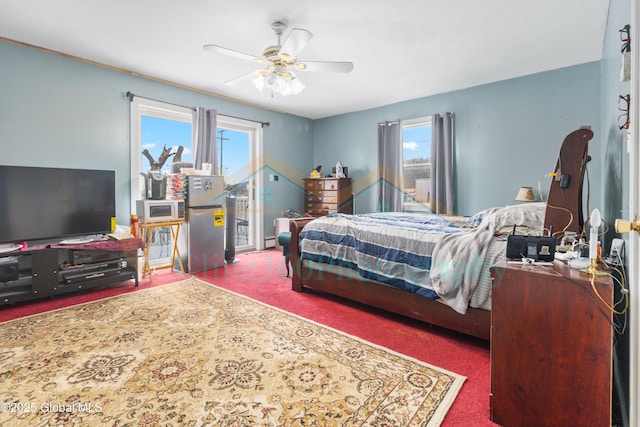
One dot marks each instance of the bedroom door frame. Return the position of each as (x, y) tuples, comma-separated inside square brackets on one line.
[(634, 240), (255, 211)]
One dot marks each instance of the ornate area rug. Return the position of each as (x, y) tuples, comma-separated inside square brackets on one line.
[(191, 354)]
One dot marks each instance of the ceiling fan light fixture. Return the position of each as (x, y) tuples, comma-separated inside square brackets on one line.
[(284, 85), (279, 60), (295, 85), (258, 82)]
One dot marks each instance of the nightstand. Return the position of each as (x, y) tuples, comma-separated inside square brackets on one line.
[(551, 347)]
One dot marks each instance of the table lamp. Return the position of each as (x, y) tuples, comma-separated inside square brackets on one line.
[(526, 194)]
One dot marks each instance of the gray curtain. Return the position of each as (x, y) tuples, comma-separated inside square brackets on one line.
[(390, 194), (442, 164), (205, 142)]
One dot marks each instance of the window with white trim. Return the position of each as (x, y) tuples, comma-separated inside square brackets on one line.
[(416, 156), (154, 126)]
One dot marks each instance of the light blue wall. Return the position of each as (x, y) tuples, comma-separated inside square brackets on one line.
[(59, 112), (508, 134), (615, 179)]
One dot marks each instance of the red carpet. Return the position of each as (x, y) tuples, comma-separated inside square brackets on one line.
[(260, 275)]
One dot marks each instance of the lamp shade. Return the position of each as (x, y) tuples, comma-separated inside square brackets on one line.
[(526, 194)]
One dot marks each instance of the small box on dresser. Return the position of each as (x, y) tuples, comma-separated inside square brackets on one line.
[(327, 195), (551, 347)]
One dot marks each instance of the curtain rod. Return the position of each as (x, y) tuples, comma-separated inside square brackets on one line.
[(130, 95), (393, 122)]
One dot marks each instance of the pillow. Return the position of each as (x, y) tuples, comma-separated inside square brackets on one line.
[(527, 217)]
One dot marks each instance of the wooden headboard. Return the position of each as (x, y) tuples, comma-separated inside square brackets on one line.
[(564, 204)]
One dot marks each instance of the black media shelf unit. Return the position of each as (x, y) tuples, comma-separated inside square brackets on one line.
[(52, 271)]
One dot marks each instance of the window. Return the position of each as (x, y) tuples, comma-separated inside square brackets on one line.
[(154, 126), (416, 160), (158, 133)]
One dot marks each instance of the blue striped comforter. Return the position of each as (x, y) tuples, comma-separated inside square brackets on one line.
[(426, 254), (393, 248)]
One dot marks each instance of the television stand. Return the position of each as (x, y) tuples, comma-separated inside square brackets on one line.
[(55, 269)]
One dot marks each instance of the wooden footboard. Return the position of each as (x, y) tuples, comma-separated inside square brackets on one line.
[(475, 322)]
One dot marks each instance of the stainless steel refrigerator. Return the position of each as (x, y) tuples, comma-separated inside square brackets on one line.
[(201, 239)]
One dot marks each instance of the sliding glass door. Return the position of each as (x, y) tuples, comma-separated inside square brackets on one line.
[(156, 125), (240, 154)]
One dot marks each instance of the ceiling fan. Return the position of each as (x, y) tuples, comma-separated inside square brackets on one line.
[(281, 61)]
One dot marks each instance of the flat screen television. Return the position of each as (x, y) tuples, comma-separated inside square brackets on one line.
[(39, 203)]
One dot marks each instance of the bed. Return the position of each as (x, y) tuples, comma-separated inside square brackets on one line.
[(429, 267)]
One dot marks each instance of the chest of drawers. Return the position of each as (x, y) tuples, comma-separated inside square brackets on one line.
[(327, 195)]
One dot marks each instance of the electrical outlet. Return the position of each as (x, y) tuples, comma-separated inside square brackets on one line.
[(617, 245), (616, 252)]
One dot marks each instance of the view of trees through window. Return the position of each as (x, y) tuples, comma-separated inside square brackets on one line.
[(158, 133), (416, 152)]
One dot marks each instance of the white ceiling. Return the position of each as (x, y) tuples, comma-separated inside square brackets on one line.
[(401, 50)]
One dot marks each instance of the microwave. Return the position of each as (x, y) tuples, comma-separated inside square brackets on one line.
[(160, 210)]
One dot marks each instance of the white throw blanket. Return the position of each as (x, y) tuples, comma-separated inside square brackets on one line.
[(458, 258)]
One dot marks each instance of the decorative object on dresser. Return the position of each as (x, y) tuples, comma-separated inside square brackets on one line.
[(339, 171), (551, 346), (327, 195), (316, 173)]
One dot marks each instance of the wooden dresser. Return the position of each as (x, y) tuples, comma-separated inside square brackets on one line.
[(551, 347), (327, 195)]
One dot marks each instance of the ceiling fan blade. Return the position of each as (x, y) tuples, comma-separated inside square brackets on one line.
[(233, 53), (324, 66), (295, 42), (245, 77)]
